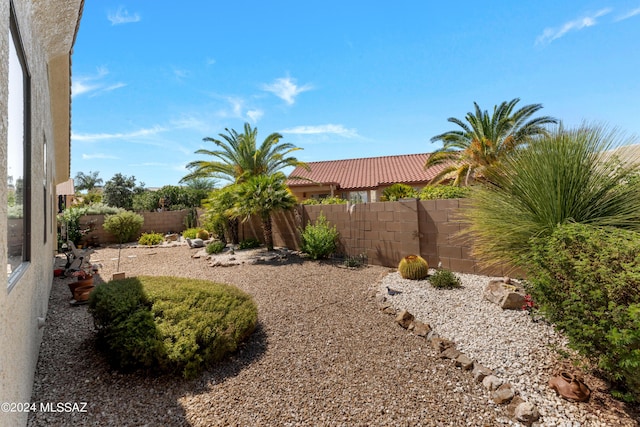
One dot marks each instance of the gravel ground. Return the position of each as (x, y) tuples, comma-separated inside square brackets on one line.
[(323, 354)]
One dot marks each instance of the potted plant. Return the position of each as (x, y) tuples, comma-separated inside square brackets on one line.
[(83, 285)]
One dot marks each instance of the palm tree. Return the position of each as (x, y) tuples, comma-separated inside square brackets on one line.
[(238, 158), (262, 195), (485, 139), (88, 181)]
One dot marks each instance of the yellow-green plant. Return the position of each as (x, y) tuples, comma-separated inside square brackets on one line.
[(413, 267)]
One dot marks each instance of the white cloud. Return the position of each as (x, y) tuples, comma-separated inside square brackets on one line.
[(322, 129), (98, 156), (551, 34), (180, 74), (628, 15), (121, 16), (93, 84), (286, 89), (91, 137), (255, 115)]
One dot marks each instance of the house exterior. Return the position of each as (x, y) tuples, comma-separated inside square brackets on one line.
[(361, 180), (36, 42)]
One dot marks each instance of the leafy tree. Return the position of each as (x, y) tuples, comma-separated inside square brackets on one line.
[(237, 157), (86, 181), (262, 195), (220, 216), (563, 177), (485, 139), (119, 191)]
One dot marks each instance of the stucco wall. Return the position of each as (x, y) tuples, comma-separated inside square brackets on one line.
[(26, 301)]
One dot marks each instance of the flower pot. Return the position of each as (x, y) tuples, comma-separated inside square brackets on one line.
[(82, 293), (58, 272), (80, 283)]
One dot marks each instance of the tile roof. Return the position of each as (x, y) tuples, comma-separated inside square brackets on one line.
[(368, 172)]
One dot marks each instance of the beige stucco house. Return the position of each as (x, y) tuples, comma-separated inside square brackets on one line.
[(36, 42), (360, 180)]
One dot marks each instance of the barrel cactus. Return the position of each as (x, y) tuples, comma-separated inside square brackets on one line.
[(413, 267), (202, 234)]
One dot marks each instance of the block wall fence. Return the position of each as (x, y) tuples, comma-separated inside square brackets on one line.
[(383, 231)]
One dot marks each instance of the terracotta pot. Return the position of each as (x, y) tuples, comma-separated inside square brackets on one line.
[(82, 293), (80, 283), (570, 387)]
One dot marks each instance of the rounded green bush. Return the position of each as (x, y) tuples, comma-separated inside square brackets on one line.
[(202, 234), (319, 239), (170, 324), (124, 225), (249, 244), (150, 239), (215, 247), (444, 279), (431, 192), (190, 233), (396, 192)]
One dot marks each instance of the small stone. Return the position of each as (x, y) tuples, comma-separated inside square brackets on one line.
[(465, 362), (527, 413), (441, 344), (383, 305), (511, 408), (480, 372), (404, 319), (450, 353), (389, 310), (491, 382), (503, 394), (421, 329)]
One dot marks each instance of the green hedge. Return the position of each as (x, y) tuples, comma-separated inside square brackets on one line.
[(586, 279), (170, 324)]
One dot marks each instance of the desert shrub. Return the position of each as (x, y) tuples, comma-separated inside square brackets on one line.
[(102, 209), (124, 225), (319, 239), (150, 239), (249, 244), (190, 233), (170, 324), (562, 177), (413, 267), (70, 217), (444, 278), (431, 192), (356, 261), (396, 192), (332, 200), (586, 279), (215, 247), (202, 234)]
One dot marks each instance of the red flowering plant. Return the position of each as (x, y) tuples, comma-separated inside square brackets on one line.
[(85, 271)]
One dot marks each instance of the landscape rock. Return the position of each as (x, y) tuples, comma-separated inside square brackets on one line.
[(491, 382), (480, 372), (450, 353), (404, 319), (527, 413), (465, 362), (421, 329), (171, 237), (503, 394), (441, 344), (508, 297)]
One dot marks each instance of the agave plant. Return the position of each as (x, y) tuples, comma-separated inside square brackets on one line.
[(565, 176)]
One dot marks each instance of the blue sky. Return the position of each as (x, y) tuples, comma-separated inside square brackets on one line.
[(338, 79)]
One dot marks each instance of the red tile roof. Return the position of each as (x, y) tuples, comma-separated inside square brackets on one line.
[(369, 172)]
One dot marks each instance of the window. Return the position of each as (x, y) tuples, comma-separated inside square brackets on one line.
[(18, 158), (358, 196)]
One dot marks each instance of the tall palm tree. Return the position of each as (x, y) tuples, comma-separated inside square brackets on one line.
[(262, 195), (485, 139), (88, 181), (237, 157)]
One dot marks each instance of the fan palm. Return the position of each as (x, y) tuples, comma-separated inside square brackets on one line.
[(485, 139), (238, 157), (262, 195)]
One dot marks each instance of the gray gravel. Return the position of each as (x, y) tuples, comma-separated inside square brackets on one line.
[(323, 355)]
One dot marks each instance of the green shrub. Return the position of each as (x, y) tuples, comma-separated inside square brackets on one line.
[(558, 178), (102, 209), (431, 192), (71, 219), (150, 239), (190, 233), (124, 226), (413, 267), (396, 192), (15, 211), (586, 280), (356, 261), (215, 247), (170, 324), (332, 200), (202, 234), (444, 279), (249, 244), (319, 239)]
